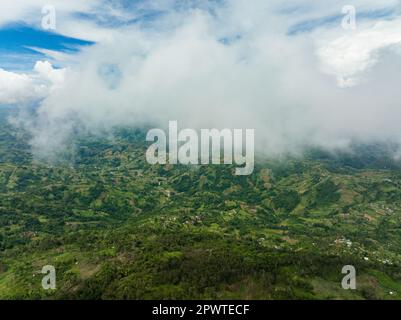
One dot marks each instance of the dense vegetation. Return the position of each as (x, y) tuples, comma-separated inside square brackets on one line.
[(115, 227)]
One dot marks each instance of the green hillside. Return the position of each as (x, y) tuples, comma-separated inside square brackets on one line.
[(115, 227)]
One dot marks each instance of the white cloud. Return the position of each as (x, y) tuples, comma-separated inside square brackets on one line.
[(354, 52), (55, 77), (259, 77), (16, 88), (22, 88), (30, 11)]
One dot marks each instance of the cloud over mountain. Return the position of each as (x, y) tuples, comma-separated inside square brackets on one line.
[(231, 64)]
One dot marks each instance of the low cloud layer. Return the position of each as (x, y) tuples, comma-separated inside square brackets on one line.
[(232, 64)]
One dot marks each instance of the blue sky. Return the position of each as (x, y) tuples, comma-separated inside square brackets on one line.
[(19, 40)]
